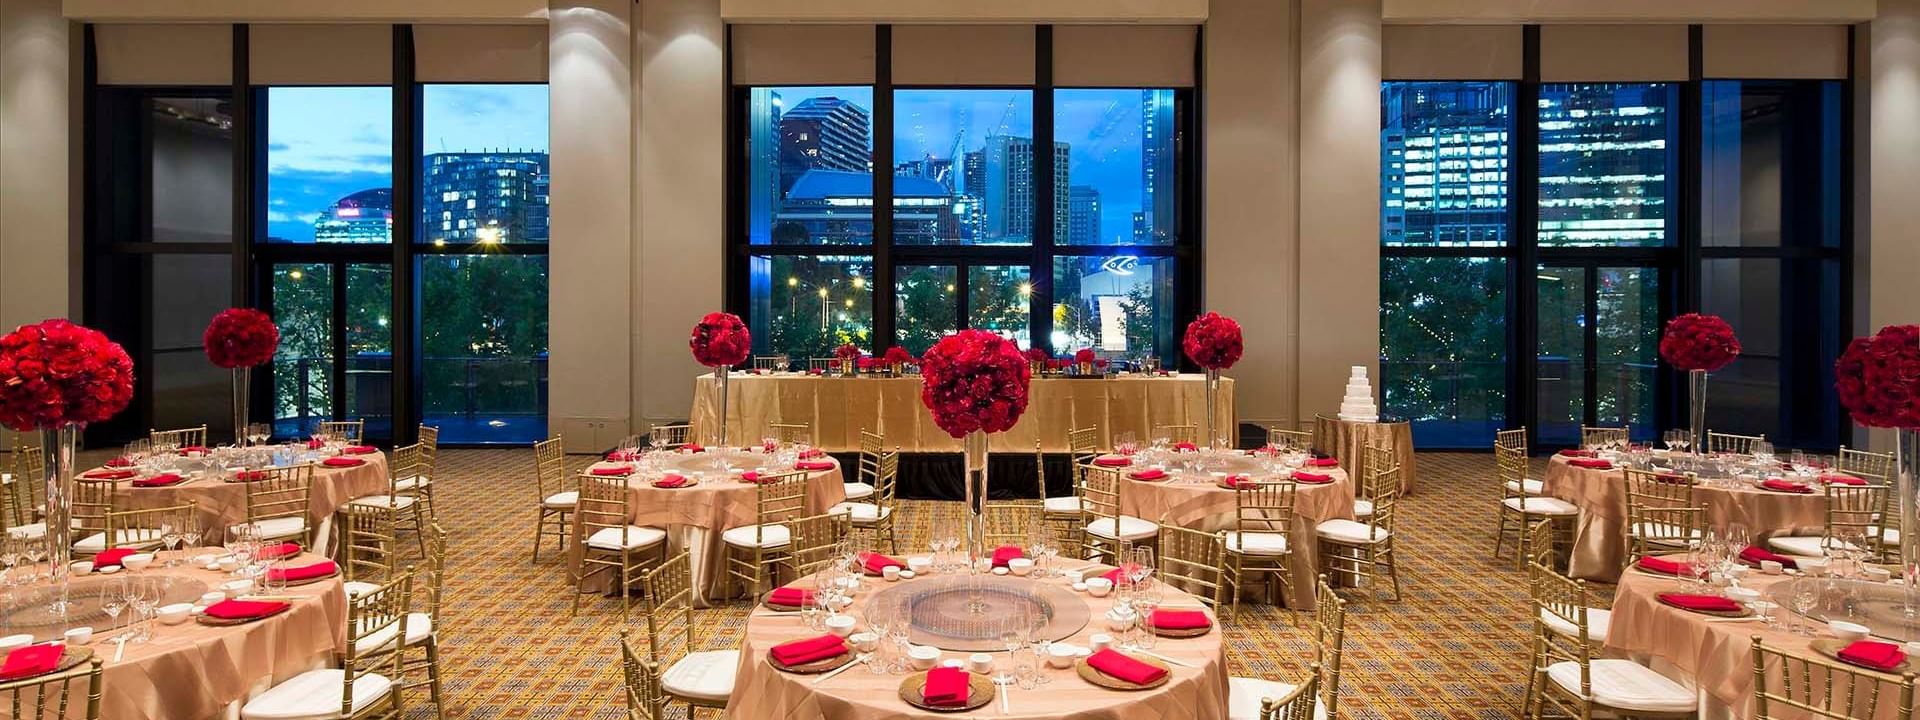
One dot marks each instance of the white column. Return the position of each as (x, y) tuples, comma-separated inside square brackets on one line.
[(1889, 252), (37, 257)]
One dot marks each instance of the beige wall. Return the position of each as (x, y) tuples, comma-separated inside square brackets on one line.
[(1888, 262), (37, 262)]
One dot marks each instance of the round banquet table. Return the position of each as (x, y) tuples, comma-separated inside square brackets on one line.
[(1195, 500), (694, 517), (192, 670), (222, 504), (1348, 440), (760, 691), (1600, 541)]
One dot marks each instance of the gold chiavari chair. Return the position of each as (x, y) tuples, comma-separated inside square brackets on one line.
[(181, 438), (1591, 436), (788, 433), (134, 529), (778, 498), (365, 686), (1718, 442), (1520, 509), (1365, 549), (277, 505), (1178, 433), (872, 446), (364, 542), (699, 678), (823, 364), (614, 546), (1540, 544), (1108, 528), (1516, 476), (641, 688), (345, 430), (1287, 707), (1009, 522), (1290, 440), (1807, 686), (1851, 523), (814, 538), (1663, 514), (52, 696), (1870, 466), (670, 437), (25, 494), (557, 500), (1245, 695), (775, 363), (1260, 543), (420, 654), (92, 503), (1068, 513), (1567, 611), (1192, 560), (420, 483), (875, 516), (1566, 676), (405, 463)]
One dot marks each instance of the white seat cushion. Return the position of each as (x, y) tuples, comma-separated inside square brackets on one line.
[(702, 675), (858, 490), (1362, 508), (772, 536), (1528, 486), (1552, 507), (1245, 694), (1598, 619), (1065, 505), (1348, 531), (1131, 528), (413, 482), (356, 588), (568, 500), (276, 528), (30, 531), (314, 694), (862, 513), (1257, 543), (1626, 685), (391, 502), (1889, 536), (419, 628), (1806, 545), (130, 537), (636, 537)]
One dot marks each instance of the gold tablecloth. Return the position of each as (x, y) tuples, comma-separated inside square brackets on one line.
[(1193, 692), (1600, 539), (1348, 441), (222, 504), (839, 408)]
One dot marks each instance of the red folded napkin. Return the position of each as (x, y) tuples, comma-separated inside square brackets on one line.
[(1113, 575), (1755, 554), (946, 686), (271, 552), (111, 558), (692, 447), (618, 456), (360, 450), (1005, 553), (1234, 481), (1324, 462), (343, 462), (1663, 566), (1591, 464), (193, 449), (110, 474), (1312, 478), (119, 462), (250, 475), (801, 652), (316, 444), (1149, 474), (1114, 664), (750, 476), (161, 480), (812, 453), (876, 563), (1185, 447), (1112, 461), (813, 465), (1842, 480), (31, 660), (1180, 619), (1578, 453), (671, 481), (790, 596), (1866, 653), (1671, 478), (1778, 485), (1700, 603), (244, 609), (616, 471), (324, 568)]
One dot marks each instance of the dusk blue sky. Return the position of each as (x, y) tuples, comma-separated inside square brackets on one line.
[(324, 143)]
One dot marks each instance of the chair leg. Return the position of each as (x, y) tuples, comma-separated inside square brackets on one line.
[(1233, 611), (433, 677), (539, 534)]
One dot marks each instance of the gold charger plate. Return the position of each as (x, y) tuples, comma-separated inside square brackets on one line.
[(204, 619), (776, 607), (980, 691), (813, 668), (1831, 648), (70, 657), (312, 580), (1110, 682), (689, 483), (1742, 612), (1190, 633)]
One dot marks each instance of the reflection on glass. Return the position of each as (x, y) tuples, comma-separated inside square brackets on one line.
[(1443, 347), (1770, 163), (370, 348), (999, 301), (1119, 179), (1120, 306), (804, 306), (192, 165), (1606, 150), (484, 177), (810, 166), (187, 291), (483, 337), (924, 297), (1561, 355), (1781, 386), (1443, 163), (964, 168), (330, 164), (1627, 336), (303, 366)]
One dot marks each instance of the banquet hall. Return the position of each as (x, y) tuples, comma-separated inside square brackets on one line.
[(428, 359)]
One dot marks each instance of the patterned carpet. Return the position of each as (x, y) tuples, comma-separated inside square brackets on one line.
[(1453, 647)]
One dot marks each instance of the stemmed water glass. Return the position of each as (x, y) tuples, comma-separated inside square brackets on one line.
[(901, 630), (880, 621), (113, 599), (36, 553), (1139, 563), (1011, 636), (1805, 594), (170, 539), (1037, 544), (10, 555), (1146, 599)]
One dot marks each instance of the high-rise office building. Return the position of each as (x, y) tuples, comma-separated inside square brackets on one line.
[(1603, 163), (1008, 192), (468, 197), (1083, 215), (363, 217), (824, 133), (1443, 163), (1140, 230), (1156, 163)]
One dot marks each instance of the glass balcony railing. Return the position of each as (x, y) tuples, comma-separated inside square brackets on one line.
[(471, 399)]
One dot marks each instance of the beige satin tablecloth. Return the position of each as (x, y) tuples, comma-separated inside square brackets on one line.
[(839, 408), (694, 518), (223, 504), (1347, 441), (1193, 692), (1194, 501), (1600, 540)]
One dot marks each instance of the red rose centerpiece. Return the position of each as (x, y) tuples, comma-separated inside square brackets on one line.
[(1213, 342), (1878, 381), (238, 339), (849, 356), (720, 341), (1698, 344), (975, 383), (1037, 360), (897, 360), (1083, 361)]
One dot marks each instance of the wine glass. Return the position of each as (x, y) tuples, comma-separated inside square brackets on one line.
[(901, 630), (880, 621), (1146, 599), (36, 553), (113, 599), (1011, 636), (1140, 564), (1037, 543), (1806, 593), (170, 539)]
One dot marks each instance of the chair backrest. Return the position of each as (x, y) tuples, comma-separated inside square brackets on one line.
[(183, 437), (375, 613), (52, 696), (642, 689), (1009, 522), (823, 363), (1383, 487), (1602, 436), (1264, 507), (141, 527), (872, 446), (670, 628), (1730, 443), (1299, 703), (29, 487), (1566, 599), (770, 362), (1291, 440), (1191, 559), (1510, 470), (429, 449), (282, 492), (1100, 494), (1515, 438), (886, 480), (1852, 511), (364, 536), (406, 462), (1329, 641), (1662, 506), (778, 498), (1540, 540), (669, 436), (814, 538), (550, 467), (791, 432), (1178, 433), (433, 572), (1864, 464), (1798, 685), (604, 503), (92, 502), (348, 430), (1083, 444)]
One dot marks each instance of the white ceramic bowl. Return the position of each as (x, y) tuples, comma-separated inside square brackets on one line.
[(1020, 566), (81, 567), (924, 657), (79, 636), (1079, 587), (864, 641), (1771, 567), (137, 561), (999, 571), (174, 614), (919, 565), (1846, 631), (1878, 575), (1074, 576), (237, 588), (1812, 566), (1742, 595), (891, 573), (1118, 621), (1061, 655), (841, 625), (212, 597), (907, 574), (981, 663), (15, 641), (1099, 587), (228, 565)]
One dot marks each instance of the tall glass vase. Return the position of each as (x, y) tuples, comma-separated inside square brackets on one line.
[(1213, 406), (974, 454), (57, 453), (1697, 409), (720, 373), (242, 377), (1906, 473)]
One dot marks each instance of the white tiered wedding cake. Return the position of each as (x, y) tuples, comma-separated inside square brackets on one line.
[(1358, 405)]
